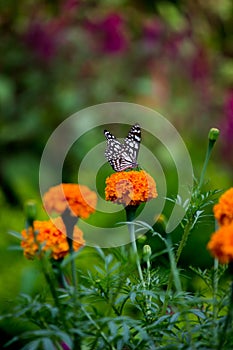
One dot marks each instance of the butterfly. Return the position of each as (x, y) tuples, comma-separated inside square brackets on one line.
[(122, 156)]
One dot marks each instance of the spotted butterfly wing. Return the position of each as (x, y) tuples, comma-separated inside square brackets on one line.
[(123, 156)]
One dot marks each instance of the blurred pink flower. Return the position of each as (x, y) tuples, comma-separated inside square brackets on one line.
[(42, 39), (199, 65), (109, 34), (228, 125), (152, 33), (229, 105), (45, 38), (65, 346), (70, 5), (152, 30), (174, 42)]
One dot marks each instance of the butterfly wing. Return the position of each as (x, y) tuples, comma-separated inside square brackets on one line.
[(113, 151), (132, 142), (123, 156)]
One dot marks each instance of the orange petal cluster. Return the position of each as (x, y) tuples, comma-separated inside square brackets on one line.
[(49, 236), (78, 198), (223, 210), (221, 242), (130, 187)]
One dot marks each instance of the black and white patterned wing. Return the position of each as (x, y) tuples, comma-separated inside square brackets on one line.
[(113, 151), (123, 156), (132, 143)]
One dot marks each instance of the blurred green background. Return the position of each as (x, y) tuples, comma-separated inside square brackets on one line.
[(58, 57)]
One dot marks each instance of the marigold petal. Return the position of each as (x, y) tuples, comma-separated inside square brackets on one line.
[(50, 236), (78, 198), (221, 244), (130, 187), (223, 210)]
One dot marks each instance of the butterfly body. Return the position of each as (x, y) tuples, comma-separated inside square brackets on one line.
[(122, 156)]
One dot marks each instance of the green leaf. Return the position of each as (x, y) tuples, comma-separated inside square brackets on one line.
[(171, 14), (69, 259), (198, 313), (133, 296), (47, 344), (33, 345), (174, 318), (15, 248), (113, 327), (126, 333), (13, 340), (15, 234)]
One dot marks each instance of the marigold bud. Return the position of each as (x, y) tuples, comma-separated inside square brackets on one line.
[(146, 251), (161, 220), (30, 210), (141, 239), (213, 134)]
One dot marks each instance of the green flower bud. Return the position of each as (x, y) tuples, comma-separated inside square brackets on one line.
[(30, 211), (213, 134), (141, 239), (161, 220), (146, 252)]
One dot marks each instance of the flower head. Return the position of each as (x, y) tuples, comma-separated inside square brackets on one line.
[(30, 210), (213, 134), (130, 187), (221, 244), (48, 235), (146, 252), (78, 198), (42, 40), (223, 210), (109, 33)]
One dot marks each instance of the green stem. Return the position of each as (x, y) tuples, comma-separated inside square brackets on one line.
[(148, 265), (215, 306), (149, 298), (173, 277), (135, 250), (50, 281), (130, 215), (207, 157), (98, 328), (228, 320), (215, 287), (183, 241), (56, 265), (70, 221), (73, 268), (174, 261)]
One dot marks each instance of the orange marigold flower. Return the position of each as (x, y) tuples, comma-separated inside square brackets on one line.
[(221, 244), (130, 187), (78, 198), (223, 211), (49, 236)]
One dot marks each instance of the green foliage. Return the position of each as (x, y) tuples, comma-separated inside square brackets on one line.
[(122, 301), (178, 60), (195, 208), (111, 309)]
